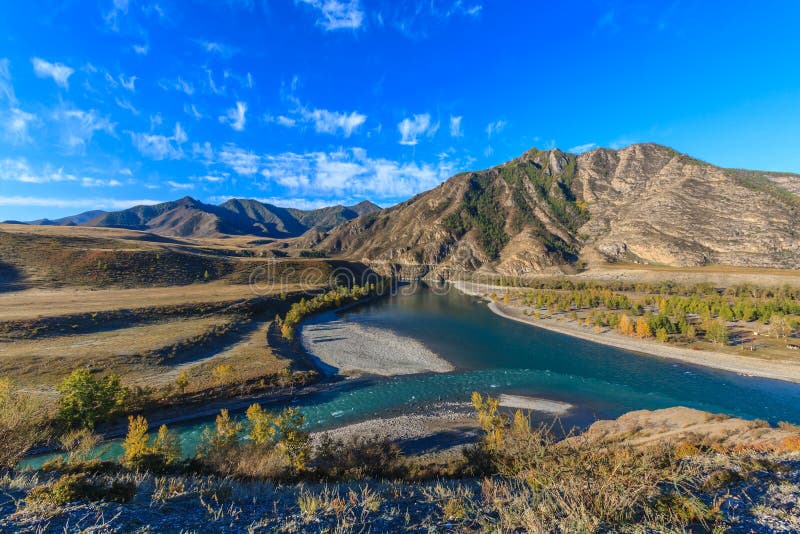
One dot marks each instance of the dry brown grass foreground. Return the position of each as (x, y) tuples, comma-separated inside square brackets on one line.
[(693, 472)]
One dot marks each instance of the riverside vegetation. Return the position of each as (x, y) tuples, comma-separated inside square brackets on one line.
[(261, 473), (666, 311)]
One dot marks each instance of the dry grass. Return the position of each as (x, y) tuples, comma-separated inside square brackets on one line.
[(35, 303), (48, 360)]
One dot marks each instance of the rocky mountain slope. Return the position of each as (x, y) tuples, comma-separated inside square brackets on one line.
[(550, 210), (188, 217)]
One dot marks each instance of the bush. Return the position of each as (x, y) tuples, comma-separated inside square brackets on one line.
[(358, 457), (23, 423), (140, 455), (78, 487), (86, 399)]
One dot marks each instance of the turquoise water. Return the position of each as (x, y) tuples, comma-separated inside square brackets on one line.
[(497, 355)]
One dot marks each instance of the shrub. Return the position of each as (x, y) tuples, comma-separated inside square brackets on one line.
[(86, 399), (23, 423), (358, 457), (78, 487), (140, 455), (79, 444)]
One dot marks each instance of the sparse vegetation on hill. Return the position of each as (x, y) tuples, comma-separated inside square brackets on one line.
[(549, 210), (712, 474)]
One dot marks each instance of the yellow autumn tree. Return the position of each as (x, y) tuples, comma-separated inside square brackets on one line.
[(167, 445), (625, 326), (137, 441), (643, 328), (490, 419)]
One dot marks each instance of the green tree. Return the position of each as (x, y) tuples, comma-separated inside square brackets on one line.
[(662, 335), (717, 332), (86, 399)]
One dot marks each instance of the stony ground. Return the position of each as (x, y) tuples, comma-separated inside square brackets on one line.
[(765, 501)]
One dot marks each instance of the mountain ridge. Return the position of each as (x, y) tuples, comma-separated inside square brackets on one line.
[(188, 217), (549, 210)]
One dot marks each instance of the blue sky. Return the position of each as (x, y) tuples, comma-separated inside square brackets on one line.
[(109, 103)]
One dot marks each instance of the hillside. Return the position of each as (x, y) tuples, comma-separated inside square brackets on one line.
[(553, 211), (188, 217)]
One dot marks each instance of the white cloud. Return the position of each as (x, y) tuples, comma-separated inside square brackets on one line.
[(125, 104), (203, 151), (296, 203), (286, 121), (97, 182), (178, 186), (59, 72), (15, 124), (18, 170), (455, 126), (79, 203), (352, 173), (582, 148), (415, 127), (141, 49), (78, 126), (160, 147), (220, 49), (184, 86), (129, 84), (6, 88), (118, 8), (190, 109), (495, 127), (242, 161), (332, 121), (235, 116), (337, 14)]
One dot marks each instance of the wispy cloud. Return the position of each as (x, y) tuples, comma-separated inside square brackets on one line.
[(220, 49), (77, 203), (77, 127), (235, 116), (112, 17), (241, 161), (417, 126), (180, 186), (59, 72), (190, 109), (495, 127), (455, 127), (128, 83), (6, 87), (331, 122), (99, 182), (160, 147), (141, 49), (337, 14), (18, 170), (125, 104), (582, 148), (352, 173), (15, 123)]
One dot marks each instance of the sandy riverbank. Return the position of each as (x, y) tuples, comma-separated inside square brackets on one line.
[(744, 365), (441, 427), (347, 347)]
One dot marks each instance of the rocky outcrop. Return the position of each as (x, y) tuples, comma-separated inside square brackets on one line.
[(551, 211)]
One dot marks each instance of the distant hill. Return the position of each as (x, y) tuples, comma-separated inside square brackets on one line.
[(551, 211), (71, 220), (188, 217)]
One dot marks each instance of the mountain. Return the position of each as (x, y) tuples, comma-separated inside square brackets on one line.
[(188, 217), (71, 220), (551, 211)]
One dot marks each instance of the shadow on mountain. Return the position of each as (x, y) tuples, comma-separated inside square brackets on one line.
[(11, 278)]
